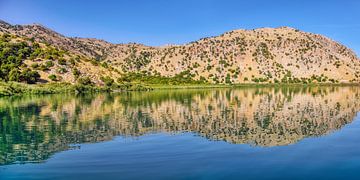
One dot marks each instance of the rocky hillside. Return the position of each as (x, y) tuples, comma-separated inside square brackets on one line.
[(266, 55)]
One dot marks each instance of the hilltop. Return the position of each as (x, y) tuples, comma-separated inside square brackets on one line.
[(265, 55)]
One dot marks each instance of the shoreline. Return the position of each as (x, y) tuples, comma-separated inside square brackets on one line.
[(18, 89), (206, 86)]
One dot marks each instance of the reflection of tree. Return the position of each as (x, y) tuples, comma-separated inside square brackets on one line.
[(33, 128)]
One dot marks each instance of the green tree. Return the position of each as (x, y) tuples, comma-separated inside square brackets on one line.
[(108, 81), (84, 81), (62, 61), (30, 76), (53, 77), (14, 75), (228, 79), (76, 73)]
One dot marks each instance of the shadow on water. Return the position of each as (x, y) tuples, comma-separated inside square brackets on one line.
[(32, 128)]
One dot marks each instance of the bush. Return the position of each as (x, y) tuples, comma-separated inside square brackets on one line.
[(85, 81), (105, 65), (76, 73), (14, 75), (184, 77), (228, 79), (12, 55), (62, 61), (35, 65), (108, 81), (94, 62), (62, 70), (53, 77), (72, 62), (49, 64), (29, 76)]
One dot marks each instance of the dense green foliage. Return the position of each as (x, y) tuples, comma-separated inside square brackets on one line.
[(29, 76), (53, 77), (12, 56), (84, 81), (179, 79), (108, 81), (14, 88)]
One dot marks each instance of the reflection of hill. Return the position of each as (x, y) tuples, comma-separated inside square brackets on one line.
[(33, 128)]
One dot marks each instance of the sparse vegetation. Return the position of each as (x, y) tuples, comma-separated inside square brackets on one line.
[(284, 56)]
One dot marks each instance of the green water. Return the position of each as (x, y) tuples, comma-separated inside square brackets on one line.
[(251, 133)]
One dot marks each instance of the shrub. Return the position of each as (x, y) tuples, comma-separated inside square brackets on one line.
[(30, 76), (184, 77), (12, 55), (72, 61), (43, 68), (14, 75), (62, 70), (84, 81), (228, 79), (94, 62), (62, 61), (35, 65), (108, 81), (49, 64), (76, 73), (53, 77), (105, 65)]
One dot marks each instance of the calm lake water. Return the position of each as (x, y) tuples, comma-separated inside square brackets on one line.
[(248, 133)]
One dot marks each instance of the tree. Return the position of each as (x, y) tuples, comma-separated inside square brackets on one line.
[(76, 73), (14, 75), (30, 76), (108, 81), (53, 77), (84, 81), (62, 61), (49, 64), (228, 79)]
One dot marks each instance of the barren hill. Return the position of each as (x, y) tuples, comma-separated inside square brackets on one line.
[(266, 55)]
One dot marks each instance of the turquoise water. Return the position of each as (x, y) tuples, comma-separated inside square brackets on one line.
[(252, 133)]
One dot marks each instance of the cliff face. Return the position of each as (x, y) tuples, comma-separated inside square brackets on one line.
[(241, 56)]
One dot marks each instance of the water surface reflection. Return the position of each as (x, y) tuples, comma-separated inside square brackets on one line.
[(33, 128)]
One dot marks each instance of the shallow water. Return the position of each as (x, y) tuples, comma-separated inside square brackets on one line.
[(249, 133)]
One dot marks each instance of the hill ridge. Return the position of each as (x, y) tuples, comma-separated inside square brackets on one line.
[(264, 55)]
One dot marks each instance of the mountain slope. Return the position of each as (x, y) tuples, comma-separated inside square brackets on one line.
[(26, 60), (265, 55)]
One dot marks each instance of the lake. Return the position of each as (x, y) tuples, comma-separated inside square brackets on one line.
[(242, 133)]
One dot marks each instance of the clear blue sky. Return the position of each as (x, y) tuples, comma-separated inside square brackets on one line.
[(158, 22)]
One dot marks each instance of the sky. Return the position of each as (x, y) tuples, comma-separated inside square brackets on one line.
[(160, 22)]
